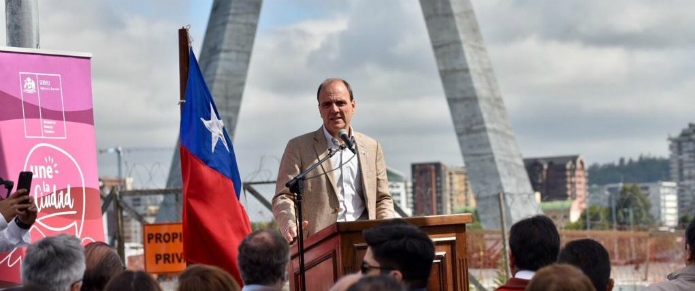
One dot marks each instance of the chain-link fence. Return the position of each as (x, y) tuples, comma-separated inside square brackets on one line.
[(257, 198), (638, 259)]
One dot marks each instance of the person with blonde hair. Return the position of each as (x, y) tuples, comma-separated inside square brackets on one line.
[(560, 277)]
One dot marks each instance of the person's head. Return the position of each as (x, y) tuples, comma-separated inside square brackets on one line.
[(690, 243), (336, 105), (560, 277), (132, 281), (26, 288), (263, 258), (55, 263), (534, 243), (377, 283), (592, 258), (345, 282), (102, 263), (204, 277), (401, 250)]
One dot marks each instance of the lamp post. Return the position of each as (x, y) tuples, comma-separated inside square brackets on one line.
[(630, 213), (587, 205)]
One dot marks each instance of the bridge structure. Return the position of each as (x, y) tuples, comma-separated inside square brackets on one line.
[(484, 133)]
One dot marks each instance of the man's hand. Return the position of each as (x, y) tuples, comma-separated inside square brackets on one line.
[(28, 215), (13, 205), (291, 232)]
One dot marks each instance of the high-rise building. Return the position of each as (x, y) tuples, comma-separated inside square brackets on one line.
[(427, 189), (459, 188), (398, 188), (439, 189), (409, 193), (682, 167), (558, 178), (664, 199)]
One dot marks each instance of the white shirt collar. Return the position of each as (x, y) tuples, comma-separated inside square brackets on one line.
[(525, 274), (330, 139), (348, 181)]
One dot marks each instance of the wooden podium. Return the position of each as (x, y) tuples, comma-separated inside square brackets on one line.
[(338, 250)]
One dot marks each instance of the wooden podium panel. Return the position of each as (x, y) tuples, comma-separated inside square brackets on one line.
[(338, 250)]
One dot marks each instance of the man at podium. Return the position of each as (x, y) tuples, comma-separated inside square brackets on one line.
[(349, 186)]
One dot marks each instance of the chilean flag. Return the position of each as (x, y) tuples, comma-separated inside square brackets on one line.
[(214, 221)]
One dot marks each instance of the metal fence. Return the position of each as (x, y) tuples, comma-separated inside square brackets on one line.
[(638, 259)]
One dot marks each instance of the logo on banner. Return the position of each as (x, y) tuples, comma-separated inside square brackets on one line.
[(42, 105), (59, 193), (59, 190), (29, 86)]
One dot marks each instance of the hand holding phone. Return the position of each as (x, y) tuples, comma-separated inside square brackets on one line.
[(24, 181)]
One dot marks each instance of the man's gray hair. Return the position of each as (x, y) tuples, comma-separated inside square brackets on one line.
[(54, 263)]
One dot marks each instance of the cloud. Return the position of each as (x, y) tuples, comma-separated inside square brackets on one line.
[(622, 23), (603, 79)]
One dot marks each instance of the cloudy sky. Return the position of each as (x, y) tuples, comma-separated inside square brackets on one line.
[(603, 79)]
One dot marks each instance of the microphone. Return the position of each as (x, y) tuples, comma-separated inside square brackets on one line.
[(348, 142)]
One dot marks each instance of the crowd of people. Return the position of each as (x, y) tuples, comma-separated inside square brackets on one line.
[(399, 257), (538, 263)]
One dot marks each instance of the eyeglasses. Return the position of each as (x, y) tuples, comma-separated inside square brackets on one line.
[(366, 267)]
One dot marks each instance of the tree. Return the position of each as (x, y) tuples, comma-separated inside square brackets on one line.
[(645, 169), (684, 220), (632, 207), (597, 219), (476, 218)]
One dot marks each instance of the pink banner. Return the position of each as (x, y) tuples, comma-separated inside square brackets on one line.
[(47, 127)]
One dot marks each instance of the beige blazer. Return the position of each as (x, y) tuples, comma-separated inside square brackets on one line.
[(321, 204)]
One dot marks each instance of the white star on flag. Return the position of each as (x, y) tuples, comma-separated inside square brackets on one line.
[(216, 127)]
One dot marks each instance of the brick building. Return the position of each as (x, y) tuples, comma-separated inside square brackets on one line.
[(439, 189), (558, 178)]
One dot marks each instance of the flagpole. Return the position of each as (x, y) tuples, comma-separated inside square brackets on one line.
[(183, 63), (184, 47), (183, 81)]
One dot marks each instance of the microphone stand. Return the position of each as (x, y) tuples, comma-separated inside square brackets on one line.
[(296, 186)]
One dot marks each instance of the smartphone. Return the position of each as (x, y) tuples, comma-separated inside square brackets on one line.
[(24, 181)]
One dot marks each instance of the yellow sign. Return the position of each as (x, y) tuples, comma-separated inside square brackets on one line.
[(163, 247)]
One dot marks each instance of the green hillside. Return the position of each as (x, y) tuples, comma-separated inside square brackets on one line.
[(644, 169)]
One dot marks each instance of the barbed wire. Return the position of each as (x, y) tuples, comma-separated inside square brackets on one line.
[(152, 177), (262, 173)]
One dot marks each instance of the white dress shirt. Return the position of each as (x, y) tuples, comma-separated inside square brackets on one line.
[(348, 180), (254, 287), (524, 274), (12, 236)]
